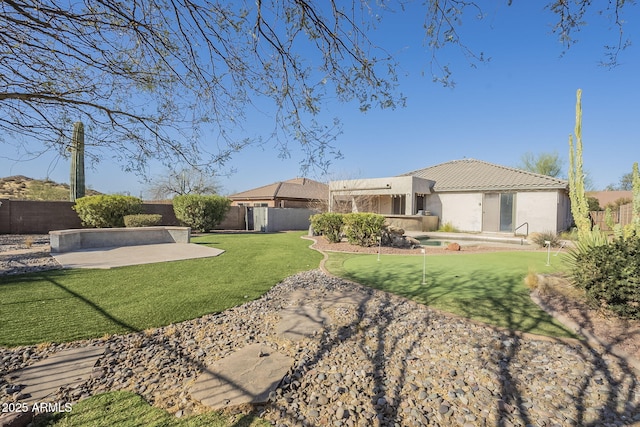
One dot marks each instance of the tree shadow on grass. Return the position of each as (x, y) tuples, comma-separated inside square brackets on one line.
[(605, 375), (498, 299), (95, 307)]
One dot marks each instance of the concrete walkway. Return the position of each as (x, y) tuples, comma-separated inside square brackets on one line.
[(133, 255)]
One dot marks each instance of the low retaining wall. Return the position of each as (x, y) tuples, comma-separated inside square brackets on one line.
[(70, 240)]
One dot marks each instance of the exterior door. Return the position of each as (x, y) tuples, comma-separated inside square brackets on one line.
[(491, 212)]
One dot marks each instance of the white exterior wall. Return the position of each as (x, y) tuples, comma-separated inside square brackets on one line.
[(543, 210), (462, 210)]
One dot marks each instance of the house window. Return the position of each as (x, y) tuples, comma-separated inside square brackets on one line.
[(260, 205)]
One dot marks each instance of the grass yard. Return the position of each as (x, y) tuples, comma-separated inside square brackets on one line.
[(126, 409), (67, 305), (488, 287)]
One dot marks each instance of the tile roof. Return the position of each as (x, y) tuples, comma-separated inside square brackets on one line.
[(476, 175), (297, 188)]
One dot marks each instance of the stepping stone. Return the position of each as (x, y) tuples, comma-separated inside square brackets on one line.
[(246, 376), (331, 299), (63, 369), (301, 321), (345, 298)]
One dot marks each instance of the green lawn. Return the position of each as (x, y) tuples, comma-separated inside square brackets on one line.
[(126, 409), (488, 287), (66, 305)]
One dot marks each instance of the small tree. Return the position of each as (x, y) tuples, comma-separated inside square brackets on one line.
[(201, 213)]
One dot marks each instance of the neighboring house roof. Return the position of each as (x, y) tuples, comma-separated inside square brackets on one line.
[(476, 175), (606, 197), (297, 188)]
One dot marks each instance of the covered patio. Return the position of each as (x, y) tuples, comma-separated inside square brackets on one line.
[(401, 199)]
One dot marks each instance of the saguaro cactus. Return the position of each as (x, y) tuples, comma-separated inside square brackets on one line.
[(76, 185)]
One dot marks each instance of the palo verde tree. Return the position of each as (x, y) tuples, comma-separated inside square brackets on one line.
[(176, 81), (549, 164), (177, 182)]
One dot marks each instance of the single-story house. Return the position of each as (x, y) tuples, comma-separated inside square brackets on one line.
[(294, 193), (471, 195)]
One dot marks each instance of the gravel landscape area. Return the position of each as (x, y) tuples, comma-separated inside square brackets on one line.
[(25, 253), (387, 361)]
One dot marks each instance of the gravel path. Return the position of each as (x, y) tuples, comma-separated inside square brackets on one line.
[(386, 362)]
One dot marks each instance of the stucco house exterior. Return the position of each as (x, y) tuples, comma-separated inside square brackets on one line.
[(472, 195), (293, 193)]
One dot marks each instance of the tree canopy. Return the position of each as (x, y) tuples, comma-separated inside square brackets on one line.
[(151, 78), (549, 164), (181, 182), (625, 184)]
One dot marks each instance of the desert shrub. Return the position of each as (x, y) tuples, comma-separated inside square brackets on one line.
[(585, 243), (329, 225), (200, 212), (546, 236), (106, 210), (610, 276), (142, 220), (363, 229), (448, 228), (571, 234)]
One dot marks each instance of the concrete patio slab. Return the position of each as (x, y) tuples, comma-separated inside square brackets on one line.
[(63, 369), (133, 255), (245, 376)]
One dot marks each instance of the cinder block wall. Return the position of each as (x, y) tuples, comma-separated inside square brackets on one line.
[(32, 216), (39, 217)]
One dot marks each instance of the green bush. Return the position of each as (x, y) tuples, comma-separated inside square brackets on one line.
[(106, 210), (363, 229), (329, 225), (142, 220), (201, 213), (610, 276)]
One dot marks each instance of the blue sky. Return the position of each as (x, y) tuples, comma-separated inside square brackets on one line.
[(522, 100)]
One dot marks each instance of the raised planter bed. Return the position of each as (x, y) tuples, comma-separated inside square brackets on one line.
[(76, 239)]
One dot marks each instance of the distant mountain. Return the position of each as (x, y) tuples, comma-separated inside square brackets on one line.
[(20, 187)]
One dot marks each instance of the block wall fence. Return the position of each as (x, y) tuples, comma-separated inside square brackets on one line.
[(40, 217)]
